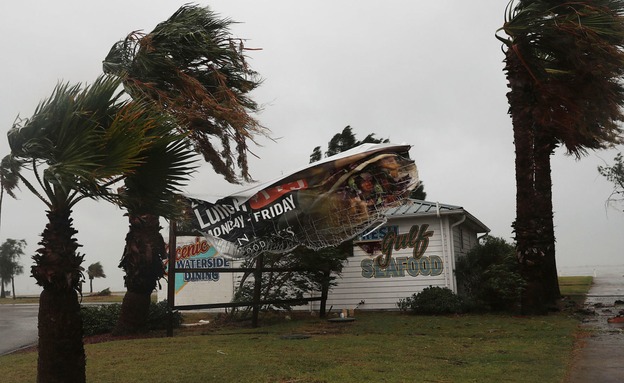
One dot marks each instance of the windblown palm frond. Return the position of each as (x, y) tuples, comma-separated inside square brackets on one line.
[(574, 53), (9, 178), (80, 140), (192, 68), (152, 188)]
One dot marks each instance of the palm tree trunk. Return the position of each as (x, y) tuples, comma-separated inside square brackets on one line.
[(2, 293), (61, 351), (13, 286), (525, 226), (142, 262), (544, 149), (57, 269)]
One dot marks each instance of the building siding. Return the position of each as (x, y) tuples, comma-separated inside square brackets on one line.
[(382, 292)]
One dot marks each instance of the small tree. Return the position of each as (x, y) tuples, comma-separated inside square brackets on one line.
[(10, 251), (615, 174), (95, 270), (322, 268)]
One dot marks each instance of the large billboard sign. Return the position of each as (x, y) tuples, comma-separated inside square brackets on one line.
[(321, 205)]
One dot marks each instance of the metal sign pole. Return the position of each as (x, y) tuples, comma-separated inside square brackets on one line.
[(171, 275)]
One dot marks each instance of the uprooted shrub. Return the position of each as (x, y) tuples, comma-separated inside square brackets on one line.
[(101, 319), (432, 300)]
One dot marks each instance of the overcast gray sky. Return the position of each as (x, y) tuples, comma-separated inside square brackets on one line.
[(424, 73)]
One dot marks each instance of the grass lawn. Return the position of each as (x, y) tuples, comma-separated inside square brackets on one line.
[(376, 347), (575, 288)]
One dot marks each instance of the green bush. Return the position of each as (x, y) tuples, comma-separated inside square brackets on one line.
[(101, 319), (488, 276), (432, 301), (158, 316)]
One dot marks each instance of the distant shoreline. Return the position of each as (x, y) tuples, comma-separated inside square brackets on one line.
[(592, 270)]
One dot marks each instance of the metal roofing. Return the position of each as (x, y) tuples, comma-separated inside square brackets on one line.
[(414, 207)]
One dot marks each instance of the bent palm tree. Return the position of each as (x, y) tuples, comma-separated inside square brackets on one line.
[(8, 181), (77, 143), (95, 270), (192, 69), (564, 64)]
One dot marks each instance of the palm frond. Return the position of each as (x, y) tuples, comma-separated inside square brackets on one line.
[(152, 189), (80, 138), (574, 51), (192, 68), (9, 175)]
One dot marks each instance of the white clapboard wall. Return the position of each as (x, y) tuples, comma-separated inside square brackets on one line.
[(455, 232)]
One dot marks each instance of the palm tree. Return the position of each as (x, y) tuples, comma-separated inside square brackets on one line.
[(149, 192), (564, 63), (77, 143), (193, 70), (8, 182), (95, 270)]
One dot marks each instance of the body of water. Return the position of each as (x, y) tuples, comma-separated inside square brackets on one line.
[(596, 270)]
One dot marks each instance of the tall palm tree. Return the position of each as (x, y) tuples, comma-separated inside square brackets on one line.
[(564, 63), (193, 70), (77, 143)]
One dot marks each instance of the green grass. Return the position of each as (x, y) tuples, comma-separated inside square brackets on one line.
[(377, 347), (575, 285), (574, 289)]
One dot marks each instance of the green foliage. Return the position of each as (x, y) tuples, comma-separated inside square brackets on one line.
[(158, 316), (96, 270), (432, 300), (344, 141), (10, 251), (294, 284), (573, 53), (193, 69), (101, 319), (488, 276), (419, 192)]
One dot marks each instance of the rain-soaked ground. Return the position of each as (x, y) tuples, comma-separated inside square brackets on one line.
[(601, 360)]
